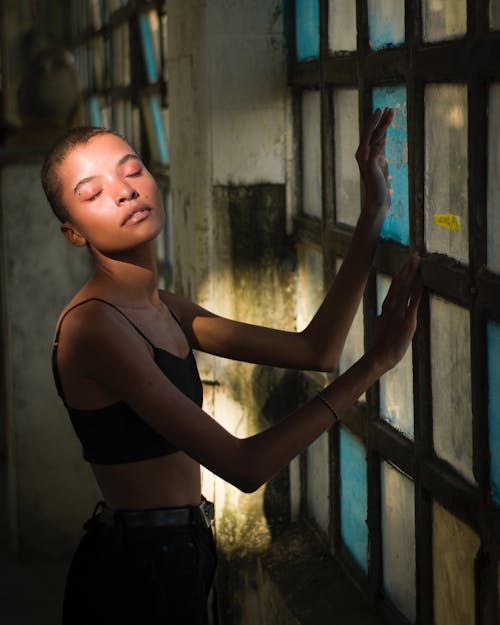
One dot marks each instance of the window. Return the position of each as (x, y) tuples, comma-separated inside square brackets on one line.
[(120, 52), (413, 502)]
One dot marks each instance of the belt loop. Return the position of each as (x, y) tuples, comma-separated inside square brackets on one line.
[(93, 521)]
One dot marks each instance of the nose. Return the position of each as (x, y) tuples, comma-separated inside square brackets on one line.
[(126, 193)]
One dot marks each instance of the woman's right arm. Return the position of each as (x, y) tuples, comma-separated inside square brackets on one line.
[(123, 364)]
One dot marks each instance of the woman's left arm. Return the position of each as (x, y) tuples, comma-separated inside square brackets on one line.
[(320, 344)]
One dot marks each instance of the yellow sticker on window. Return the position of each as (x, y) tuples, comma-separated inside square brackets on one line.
[(451, 222)]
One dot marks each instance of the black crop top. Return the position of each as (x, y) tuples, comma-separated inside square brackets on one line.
[(116, 434)]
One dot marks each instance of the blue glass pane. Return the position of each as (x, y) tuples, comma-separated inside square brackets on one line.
[(386, 19), (396, 225), (353, 497), (493, 334), (159, 131), (148, 48), (95, 111), (307, 29)]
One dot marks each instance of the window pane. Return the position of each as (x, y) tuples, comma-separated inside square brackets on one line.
[(353, 497), (347, 189), (99, 111), (494, 14), (120, 51), (82, 66), (98, 61), (307, 29), (310, 291), (396, 386), (494, 178), (396, 224), (342, 25), (398, 539), (454, 548), (386, 20), (311, 153), (493, 336), (355, 343), (123, 117), (149, 26), (446, 170), (95, 116), (451, 385), (318, 482), (444, 19), (156, 122)]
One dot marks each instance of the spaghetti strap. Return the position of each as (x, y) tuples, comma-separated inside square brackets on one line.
[(98, 299), (58, 329)]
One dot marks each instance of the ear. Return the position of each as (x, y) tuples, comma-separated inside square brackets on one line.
[(73, 236)]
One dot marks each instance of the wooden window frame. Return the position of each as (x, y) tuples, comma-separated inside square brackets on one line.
[(471, 286)]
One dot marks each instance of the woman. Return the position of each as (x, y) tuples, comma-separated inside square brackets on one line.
[(124, 367)]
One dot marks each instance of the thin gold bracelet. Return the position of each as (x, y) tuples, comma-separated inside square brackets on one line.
[(328, 405)]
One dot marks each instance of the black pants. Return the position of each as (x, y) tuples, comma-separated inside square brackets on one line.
[(140, 576)]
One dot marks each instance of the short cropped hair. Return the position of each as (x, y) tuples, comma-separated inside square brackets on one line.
[(51, 182)]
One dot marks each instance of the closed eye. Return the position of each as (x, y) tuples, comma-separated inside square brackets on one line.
[(135, 174), (93, 197)]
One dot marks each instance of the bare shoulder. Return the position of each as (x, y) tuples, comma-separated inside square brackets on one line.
[(92, 327)]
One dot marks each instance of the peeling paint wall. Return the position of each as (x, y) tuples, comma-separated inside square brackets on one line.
[(230, 145)]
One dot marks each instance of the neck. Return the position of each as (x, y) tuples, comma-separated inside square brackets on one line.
[(130, 278)]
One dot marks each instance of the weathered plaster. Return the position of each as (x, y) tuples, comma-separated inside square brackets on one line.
[(53, 489)]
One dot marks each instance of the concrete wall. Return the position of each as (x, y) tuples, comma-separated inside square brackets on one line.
[(230, 145), (50, 488)]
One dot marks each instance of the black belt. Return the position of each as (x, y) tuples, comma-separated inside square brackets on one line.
[(159, 517)]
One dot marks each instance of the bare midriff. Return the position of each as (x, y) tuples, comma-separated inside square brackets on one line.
[(168, 481)]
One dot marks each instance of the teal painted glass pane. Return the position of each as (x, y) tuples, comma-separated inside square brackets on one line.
[(493, 335), (353, 497), (397, 224), (386, 21), (307, 29), (149, 28), (160, 131), (95, 111)]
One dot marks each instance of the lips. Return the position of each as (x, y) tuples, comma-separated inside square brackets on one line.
[(137, 215)]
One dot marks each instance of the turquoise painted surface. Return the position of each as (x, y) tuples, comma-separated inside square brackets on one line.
[(386, 23), (397, 223), (95, 111), (148, 49), (160, 134), (307, 29), (353, 497), (493, 335)]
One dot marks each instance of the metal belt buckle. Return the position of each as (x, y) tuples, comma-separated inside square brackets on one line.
[(207, 510)]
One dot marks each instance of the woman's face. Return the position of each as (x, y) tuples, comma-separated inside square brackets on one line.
[(112, 199)]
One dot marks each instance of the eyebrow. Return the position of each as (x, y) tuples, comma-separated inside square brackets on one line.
[(123, 160)]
